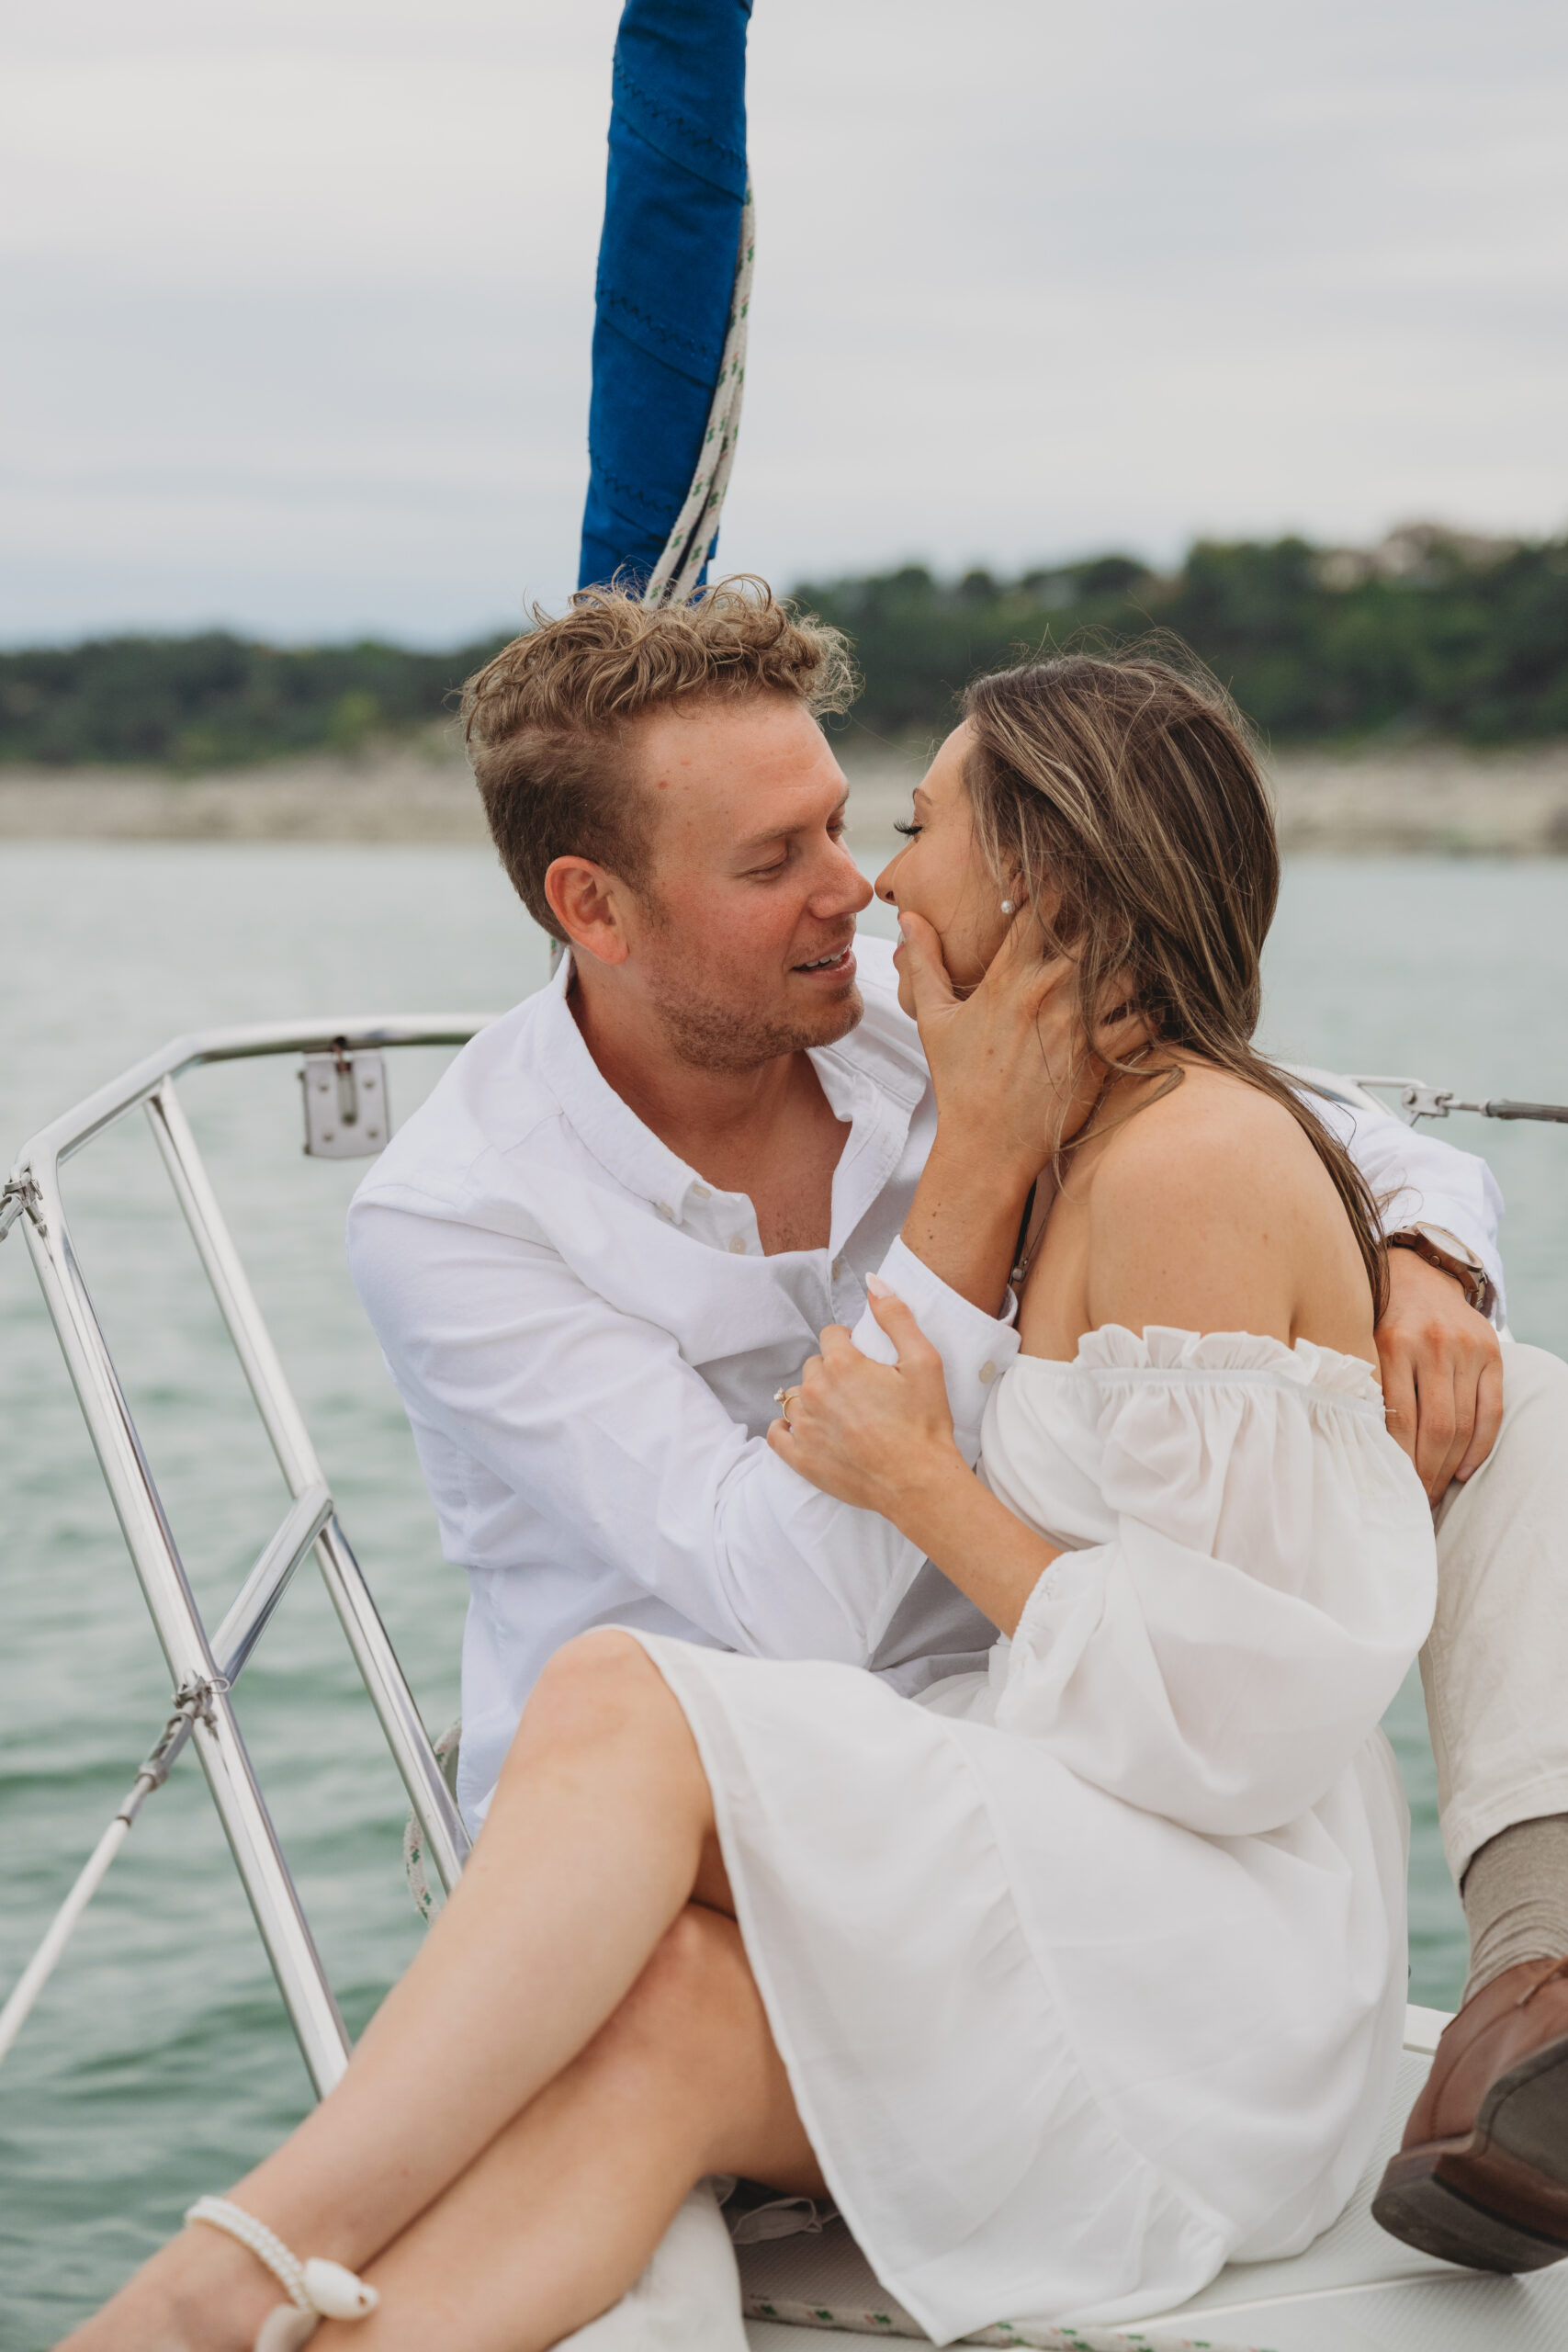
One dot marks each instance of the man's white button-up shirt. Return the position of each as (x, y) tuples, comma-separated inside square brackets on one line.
[(587, 1337)]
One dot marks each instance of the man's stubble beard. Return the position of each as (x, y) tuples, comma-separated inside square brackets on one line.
[(706, 1034)]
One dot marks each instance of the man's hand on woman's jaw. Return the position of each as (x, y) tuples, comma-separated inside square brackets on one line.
[(1443, 1372)]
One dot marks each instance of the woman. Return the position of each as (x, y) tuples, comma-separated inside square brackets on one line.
[(1070, 1980)]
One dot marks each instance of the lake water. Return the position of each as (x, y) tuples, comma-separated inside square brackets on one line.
[(158, 2064)]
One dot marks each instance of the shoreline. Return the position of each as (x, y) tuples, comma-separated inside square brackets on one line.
[(1439, 801)]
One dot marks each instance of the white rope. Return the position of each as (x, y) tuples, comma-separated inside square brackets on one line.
[(232, 1643), (317, 2290), (264, 2243), (40, 1968), (95, 1869), (686, 550)]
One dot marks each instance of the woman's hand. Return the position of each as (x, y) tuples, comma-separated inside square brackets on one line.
[(1009, 1062), (881, 1436), (874, 1434), (1011, 1076)]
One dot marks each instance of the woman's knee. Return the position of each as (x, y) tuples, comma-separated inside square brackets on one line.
[(692, 2046), (591, 1684), (694, 2007), (599, 1693)]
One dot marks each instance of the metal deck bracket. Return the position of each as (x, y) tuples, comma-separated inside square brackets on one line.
[(346, 1103)]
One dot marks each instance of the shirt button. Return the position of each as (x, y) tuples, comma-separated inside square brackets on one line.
[(738, 1244), (701, 1192), (665, 1211), (838, 1269), (987, 1373)]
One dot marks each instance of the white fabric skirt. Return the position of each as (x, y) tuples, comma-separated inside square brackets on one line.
[(1059, 2057)]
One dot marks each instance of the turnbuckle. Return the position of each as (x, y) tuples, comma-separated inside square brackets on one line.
[(1436, 1102), (193, 1703)]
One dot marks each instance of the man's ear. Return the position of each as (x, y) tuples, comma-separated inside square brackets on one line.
[(589, 904)]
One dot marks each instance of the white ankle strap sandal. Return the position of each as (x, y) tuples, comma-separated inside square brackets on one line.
[(316, 2289)]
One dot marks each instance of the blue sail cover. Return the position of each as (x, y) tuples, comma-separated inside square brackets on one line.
[(677, 183)]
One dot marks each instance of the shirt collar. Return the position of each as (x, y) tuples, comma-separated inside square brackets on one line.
[(626, 1149), (859, 1074)]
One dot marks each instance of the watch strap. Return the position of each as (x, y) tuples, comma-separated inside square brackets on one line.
[(1473, 1279)]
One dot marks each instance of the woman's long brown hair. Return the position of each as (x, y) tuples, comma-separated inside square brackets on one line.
[(1125, 793)]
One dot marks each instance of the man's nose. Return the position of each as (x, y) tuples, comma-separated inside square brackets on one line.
[(847, 892)]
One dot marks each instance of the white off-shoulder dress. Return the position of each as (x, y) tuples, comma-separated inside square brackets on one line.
[(1089, 1973)]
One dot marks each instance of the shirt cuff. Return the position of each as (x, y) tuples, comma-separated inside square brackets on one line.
[(975, 1347)]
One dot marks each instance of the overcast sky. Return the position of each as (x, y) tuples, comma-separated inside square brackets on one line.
[(298, 293)]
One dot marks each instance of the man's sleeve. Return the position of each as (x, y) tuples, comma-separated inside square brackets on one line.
[(597, 1421), (1419, 1179), (975, 1347)]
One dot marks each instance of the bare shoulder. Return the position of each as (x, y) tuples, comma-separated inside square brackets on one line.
[(1208, 1209), (1210, 1138)]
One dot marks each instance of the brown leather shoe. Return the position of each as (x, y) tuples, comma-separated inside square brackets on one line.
[(1482, 2176)]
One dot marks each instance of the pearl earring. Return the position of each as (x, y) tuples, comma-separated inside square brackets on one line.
[(1008, 908)]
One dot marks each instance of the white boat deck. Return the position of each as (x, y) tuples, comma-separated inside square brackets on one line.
[(1357, 2290)]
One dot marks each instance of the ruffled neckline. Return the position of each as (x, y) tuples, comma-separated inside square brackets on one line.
[(1162, 1348)]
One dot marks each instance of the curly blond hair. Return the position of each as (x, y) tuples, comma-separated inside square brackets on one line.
[(548, 722)]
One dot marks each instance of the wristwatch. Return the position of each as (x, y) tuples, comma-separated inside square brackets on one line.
[(1447, 1253)]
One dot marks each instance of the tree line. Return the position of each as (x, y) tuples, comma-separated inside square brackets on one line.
[(1430, 635), (216, 700)]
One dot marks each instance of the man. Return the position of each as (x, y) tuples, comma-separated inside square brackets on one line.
[(615, 1228)]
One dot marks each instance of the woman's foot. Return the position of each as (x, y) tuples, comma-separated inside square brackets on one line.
[(202, 2293)]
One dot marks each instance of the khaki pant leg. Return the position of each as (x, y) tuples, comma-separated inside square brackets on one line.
[(1496, 1665)]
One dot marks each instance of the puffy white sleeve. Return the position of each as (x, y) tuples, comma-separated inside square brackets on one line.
[(1266, 1575)]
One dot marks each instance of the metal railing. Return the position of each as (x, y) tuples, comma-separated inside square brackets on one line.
[(203, 1667)]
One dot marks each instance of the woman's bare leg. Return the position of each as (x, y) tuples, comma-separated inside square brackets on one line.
[(563, 2213), (600, 1832)]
